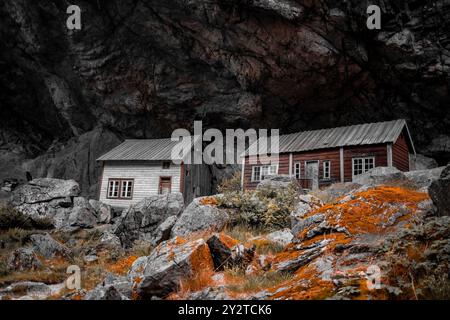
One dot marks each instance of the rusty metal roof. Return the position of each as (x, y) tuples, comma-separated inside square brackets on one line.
[(362, 134), (141, 149)]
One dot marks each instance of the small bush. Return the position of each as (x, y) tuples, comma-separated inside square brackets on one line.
[(10, 218), (267, 208), (232, 184), (242, 283), (15, 237)]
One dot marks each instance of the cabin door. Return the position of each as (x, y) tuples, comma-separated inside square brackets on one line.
[(165, 185), (312, 174)]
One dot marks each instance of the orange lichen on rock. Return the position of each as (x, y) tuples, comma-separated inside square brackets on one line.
[(202, 270), (201, 259), (370, 211), (122, 266), (306, 285), (227, 240), (211, 201)]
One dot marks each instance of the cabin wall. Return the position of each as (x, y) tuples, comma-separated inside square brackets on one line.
[(146, 179), (400, 154), (331, 155), (283, 169), (378, 151)]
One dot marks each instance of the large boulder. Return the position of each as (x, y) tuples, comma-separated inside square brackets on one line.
[(379, 175), (280, 237), (43, 197), (44, 190), (173, 260), (440, 192), (82, 214), (306, 204), (140, 221), (228, 252), (57, 200), (103, 211), (277, 181), (30, 290), (23, 259), (201, 214), (113, 287), (421, 162), (162, 232), (47, 247), (424, 178)]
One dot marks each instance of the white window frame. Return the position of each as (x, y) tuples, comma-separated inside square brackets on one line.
[(297, 170), (126, 189), (253, 174), (113, 189), (326, 173), (363, 164), (261, 170), (120, 188)]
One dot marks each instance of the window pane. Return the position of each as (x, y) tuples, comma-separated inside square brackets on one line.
[(297, 170), (326, 170), (256, 173)]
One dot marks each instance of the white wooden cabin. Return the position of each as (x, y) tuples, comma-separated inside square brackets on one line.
[(139, 168)]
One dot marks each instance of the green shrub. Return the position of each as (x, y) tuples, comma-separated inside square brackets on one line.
[(232, 184), (266, 208)]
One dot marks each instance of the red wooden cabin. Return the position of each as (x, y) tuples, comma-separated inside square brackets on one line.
[(322, 157)]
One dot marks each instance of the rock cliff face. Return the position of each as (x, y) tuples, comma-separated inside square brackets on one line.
[(141, 68)]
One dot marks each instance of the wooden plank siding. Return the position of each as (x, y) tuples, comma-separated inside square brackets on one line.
[(378, 151), (197, 181), (400, 154), (331, 155), (146, 179), (283, 169)]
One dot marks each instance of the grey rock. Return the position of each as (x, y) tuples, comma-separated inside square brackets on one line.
[(291, 265), (140, 221), (199, 217), (216, 293), (440, 193), (137, 269), (424, 178), (82, 214), (45, 198), (281, 237), (168, 264), (29, 290), (307, 222), (46, 246), (45, 190), (421, 162), (286, 8), (104, 212), (112, 288), (277, 181), (306, 204), (90, 258), (109, 240), (379, 175), (162, 232), (23, 259)]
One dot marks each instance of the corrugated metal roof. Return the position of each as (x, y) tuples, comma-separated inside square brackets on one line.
[(142, 149), (362, 134)]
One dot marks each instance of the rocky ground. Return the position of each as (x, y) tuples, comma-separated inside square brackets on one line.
[(386, 237)]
